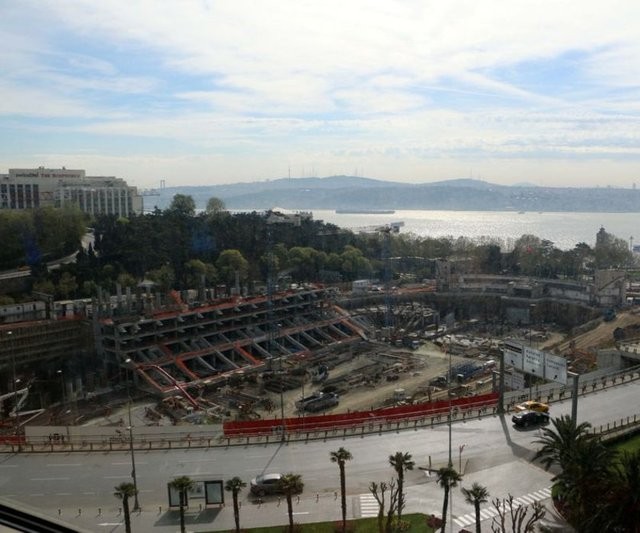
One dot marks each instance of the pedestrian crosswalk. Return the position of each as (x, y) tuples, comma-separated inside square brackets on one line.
[(490, 512), (368, 505)]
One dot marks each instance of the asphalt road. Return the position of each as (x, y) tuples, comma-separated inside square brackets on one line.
[(495, 454)]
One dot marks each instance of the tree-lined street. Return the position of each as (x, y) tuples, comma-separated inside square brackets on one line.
[(495, 455)]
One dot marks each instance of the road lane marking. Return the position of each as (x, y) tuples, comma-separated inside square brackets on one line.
[(49, 479), (490, 512), (369, 506), (302, 512), (36, 494), (64, 464), (89, 493), (116, 477), (127, 463), (63, 494)]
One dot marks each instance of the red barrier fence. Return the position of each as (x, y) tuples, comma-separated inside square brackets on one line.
[(356, 418), (12, 439)]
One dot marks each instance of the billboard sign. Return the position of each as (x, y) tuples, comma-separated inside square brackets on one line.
[(514, 380), (555, 368), (513, 354), (533, 361)]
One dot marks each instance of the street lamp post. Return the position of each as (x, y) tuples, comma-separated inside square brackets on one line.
[(15, 380), (136, 504), (460, 448), (449, 395), (61, 374), (16, 401)]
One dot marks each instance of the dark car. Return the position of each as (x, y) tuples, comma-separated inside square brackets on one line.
[(525, 419)]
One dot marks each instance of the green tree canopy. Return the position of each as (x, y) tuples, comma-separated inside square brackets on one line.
[(183, 204), (215, 206), (231, 262)]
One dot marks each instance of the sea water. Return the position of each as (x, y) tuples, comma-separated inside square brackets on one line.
[(564, 230)]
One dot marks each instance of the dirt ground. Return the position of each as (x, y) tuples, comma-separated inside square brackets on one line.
[(434, 362), (430, 362), (603, 333)]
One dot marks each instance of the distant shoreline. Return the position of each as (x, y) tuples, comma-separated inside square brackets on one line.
[(365, 211)]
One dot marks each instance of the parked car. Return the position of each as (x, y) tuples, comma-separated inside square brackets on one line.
[(318, 401), (532, 405), (265, 484), (530, 418), (440, 381)]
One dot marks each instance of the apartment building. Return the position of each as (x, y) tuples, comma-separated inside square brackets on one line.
[(28, 188)]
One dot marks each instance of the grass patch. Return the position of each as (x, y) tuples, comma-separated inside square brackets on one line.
[(628, 445), (362, 525)]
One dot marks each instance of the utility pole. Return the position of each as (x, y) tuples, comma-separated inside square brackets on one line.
[(272, 218), (136, 504)]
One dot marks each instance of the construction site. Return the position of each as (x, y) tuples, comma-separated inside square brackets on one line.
[(204, 357)]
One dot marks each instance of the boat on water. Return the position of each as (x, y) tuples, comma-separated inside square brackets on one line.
[(365, 211)]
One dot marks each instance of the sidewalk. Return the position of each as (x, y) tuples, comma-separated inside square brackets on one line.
[(423, 495), (272, 512)]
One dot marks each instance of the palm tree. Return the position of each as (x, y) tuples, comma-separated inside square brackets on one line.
[(182, 484), (341, 456), (584, 469), (291, 484), (476, 495), (234, 486), (401, 462), (558, 443), (123, 492), (624, 501), (447, 477)]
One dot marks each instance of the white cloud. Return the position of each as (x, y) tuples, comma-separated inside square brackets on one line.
[(330, 81)]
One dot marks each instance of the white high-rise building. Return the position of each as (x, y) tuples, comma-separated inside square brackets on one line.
[(28, 188)]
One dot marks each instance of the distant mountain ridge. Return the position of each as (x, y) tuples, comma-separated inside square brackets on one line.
[(352, 192)]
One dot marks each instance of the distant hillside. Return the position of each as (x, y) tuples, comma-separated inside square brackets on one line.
[(351, 192)]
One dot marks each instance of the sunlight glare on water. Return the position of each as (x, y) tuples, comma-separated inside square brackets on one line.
[(565, 230)]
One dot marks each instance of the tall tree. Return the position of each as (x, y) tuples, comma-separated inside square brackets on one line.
[(447, 478), (234, 486), (476, 496), (123, 492), (341, 456), (623, 502), (231, 263), (379, 491), (182, 485), (183, 204), (215, 206), (401, 462), (585, 465), (558, 441), (521, 520), (290, 485)]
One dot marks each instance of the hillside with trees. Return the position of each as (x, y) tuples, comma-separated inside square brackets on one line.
[(178, 247), (350, 192)]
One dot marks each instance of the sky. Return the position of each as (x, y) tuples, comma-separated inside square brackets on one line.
[(198, 92)]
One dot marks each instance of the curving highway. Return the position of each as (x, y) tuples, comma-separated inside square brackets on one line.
[(489, 450)]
